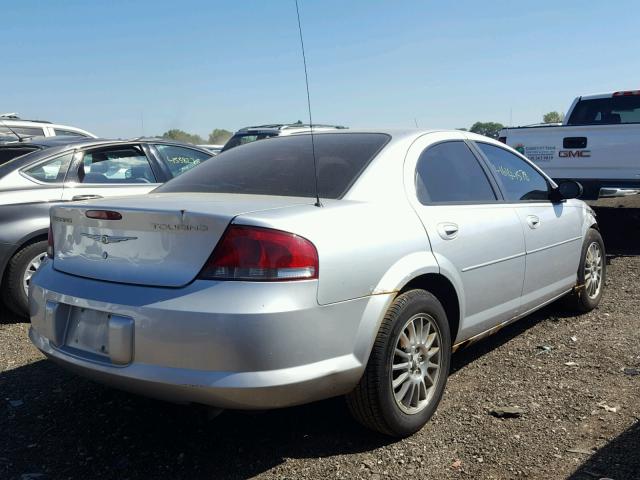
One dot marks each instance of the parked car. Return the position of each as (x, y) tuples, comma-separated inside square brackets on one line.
[(214, 149), (51, 172), (14, 128), (251, 134), (597, 144), (228, 286)]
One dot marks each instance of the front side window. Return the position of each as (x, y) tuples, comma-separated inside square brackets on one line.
[(518, 179), (181, 159), (284, 166), (51, 171), (116, 165), (449, 172)]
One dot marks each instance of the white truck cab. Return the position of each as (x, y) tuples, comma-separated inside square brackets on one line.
[(597, 144)]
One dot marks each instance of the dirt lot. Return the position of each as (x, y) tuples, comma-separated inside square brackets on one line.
[(576, 378)]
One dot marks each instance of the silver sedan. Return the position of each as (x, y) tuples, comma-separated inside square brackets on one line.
[(233, 286)]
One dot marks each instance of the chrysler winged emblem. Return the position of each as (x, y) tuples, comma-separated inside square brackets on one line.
[(107, 239)]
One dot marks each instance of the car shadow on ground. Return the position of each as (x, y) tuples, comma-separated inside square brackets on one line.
[(65, 426), (620, 228), (619, 459)]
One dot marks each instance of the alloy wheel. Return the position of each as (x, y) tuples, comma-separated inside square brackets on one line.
[(415, 365)]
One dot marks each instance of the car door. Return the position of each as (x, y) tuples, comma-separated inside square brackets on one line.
[(476, 239), (112, 170), (552, 230)]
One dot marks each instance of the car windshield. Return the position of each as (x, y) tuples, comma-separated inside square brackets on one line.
[(284, 166)]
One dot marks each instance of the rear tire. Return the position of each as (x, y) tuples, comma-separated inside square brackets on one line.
[(412, 353), (591, 275), (19, 269)]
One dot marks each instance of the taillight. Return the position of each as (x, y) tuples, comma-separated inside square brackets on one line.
[(50, 243), (261, 254)]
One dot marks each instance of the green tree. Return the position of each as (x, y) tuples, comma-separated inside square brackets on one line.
[(552, 117), (182, 136), (488, 129), (219, 136)]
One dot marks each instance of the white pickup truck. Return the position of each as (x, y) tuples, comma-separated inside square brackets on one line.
[(597, 144)]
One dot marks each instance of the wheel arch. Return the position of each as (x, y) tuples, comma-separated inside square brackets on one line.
[(443, 289), (25, 241)]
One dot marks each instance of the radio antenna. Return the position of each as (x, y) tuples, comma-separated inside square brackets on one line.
[(306, 78)]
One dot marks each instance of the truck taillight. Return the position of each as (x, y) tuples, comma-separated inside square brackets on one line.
[(50, 243), (261, 254), (626, 93)]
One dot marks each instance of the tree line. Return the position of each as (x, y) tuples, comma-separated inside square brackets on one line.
[(218, 136), (491, 129)]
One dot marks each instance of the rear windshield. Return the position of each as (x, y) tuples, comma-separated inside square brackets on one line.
[(284, 166), (606, 111), (9, 153)]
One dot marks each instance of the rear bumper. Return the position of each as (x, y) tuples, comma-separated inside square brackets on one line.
[(242, 345), (610, 193)]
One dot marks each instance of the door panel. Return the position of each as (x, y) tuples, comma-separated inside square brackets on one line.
[(553, 250), (488, 256), (552, 232), (477, 241)]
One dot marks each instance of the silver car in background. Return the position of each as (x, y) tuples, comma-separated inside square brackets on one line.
[(230, 287)]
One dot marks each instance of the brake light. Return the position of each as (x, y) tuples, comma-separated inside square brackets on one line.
[(50, 243), (261, 254), (626, 93), (103, 214)]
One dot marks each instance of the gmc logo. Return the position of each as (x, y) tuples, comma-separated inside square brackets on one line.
[(574, 153)]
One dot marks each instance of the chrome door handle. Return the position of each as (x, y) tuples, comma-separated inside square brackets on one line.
[(77, 198), (448, 231), (533, 221)]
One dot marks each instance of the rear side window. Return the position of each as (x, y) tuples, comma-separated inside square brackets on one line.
[(120, 165), (181, 159), (68, 133), (519, 180), (606, 111), (284, 166), (449, 172), (51, 171), (8, 134), (244, 138)]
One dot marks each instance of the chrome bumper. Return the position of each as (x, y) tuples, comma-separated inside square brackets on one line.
[(617, 197)]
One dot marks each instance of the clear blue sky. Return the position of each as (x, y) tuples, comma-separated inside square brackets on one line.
[(199, 65)]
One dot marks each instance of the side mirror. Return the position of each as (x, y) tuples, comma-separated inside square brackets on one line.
[(567, 189)]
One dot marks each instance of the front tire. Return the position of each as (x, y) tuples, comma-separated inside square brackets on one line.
[(408, 367), (591, 275), (18, 276)]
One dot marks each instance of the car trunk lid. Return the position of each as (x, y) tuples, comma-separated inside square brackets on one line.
[(157, 240)]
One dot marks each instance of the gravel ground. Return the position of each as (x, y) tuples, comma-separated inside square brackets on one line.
[(573, 377)]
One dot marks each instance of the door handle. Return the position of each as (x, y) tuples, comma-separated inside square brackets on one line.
[(77, 198), (448, 231), (533, 221)]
